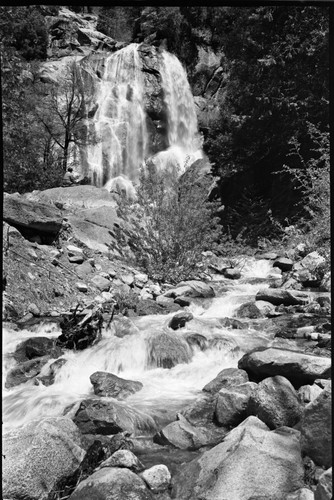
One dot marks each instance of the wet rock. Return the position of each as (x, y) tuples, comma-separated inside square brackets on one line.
[(233, 323), (229, 377), (232, 274), (157, 478), (39, 455), (275, 402), (123, 458), (324, 488), (182, 301), (231, 406), (248, 310), (196, 339), (180, 319), (147, 307), (186, 436), (298, 368), (36, 347), (166, 350), (107, 384), (112, 483), (123, 326), (192, 288), (101, 283), (315, 427), (251, 462), (25, 371), (200, 411), (54, 368), (286, 297), (283, 263), (266, 308)]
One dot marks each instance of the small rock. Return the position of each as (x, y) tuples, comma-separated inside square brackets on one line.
[(109, 385), (128, 279), (161, 299), (107, 296), (141, 278), (180, 319), (283, 263), (232, 274), (76, 259), (312, 261), (267, 256), (157, 478), (73, 250), (112, 273), (182, 301), (101, 283), (308, 393), (82, 287), (123, 458), (33, 309)]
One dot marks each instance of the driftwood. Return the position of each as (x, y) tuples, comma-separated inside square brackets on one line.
[(78, 334)]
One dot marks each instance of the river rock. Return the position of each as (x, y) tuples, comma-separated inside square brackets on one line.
[(37, 347), (49, 378), (147, 307), (233, 323), (275, 402), (182, 301), (107, 384), (232, 274), (38, 456), (229, 377), (266, 308), (312, 261), (324, 489), (180, 319), (298, 368), (248, 310), (278, 296), (201, 411), (196, 339), (283, 263), (267, 256), (191, 288), (166, 350), (25, 371), (123, 458), (123, 326), (315, 427), (231, 406), (251, 462), (112, 483), (157, 478)]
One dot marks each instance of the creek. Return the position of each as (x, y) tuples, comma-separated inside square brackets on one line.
[(165, 391)]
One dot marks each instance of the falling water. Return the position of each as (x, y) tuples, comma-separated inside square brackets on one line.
[(119, 122), (121, 139)]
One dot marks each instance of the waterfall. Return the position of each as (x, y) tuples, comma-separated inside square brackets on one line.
[(119, 120)]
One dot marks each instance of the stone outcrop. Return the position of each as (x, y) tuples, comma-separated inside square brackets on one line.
[(109, 385), (251, 462), (275, 402), (38, 456), (298, 368)]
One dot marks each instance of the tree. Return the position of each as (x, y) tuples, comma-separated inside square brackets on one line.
[(118, 22), (61, 111)]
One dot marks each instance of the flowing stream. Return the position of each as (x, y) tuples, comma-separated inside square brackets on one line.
[(165, 391)]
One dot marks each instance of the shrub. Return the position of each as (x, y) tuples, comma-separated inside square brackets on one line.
[(172, 223)]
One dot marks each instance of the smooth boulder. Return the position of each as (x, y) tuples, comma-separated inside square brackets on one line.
[(38, 456), (316, 429), (251, 462), (232, 403), (275, 402), (229, 377), (298, 368), (108, 384), (112, 483)]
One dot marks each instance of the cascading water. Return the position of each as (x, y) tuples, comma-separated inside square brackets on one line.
[(119, 124), (165, 391)]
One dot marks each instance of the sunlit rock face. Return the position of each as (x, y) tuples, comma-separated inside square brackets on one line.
[(138, 103)]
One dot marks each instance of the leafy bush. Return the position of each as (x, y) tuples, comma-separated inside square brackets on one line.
[(172, 223)]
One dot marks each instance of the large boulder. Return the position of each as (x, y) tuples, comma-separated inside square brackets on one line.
[(36, 347), (191, 288), (166, 350), (298, 368), (105, 417), (229, 377), (275, 402), (112, 483), (315, 427), (248, 310), (39, 456), (25, 371), (278, 296), (232, 403), (251, 462), (283, 263), (108, 384), (31, 217)]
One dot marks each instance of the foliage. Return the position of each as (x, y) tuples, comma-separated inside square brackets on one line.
[(118, 22), (172, 224)]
